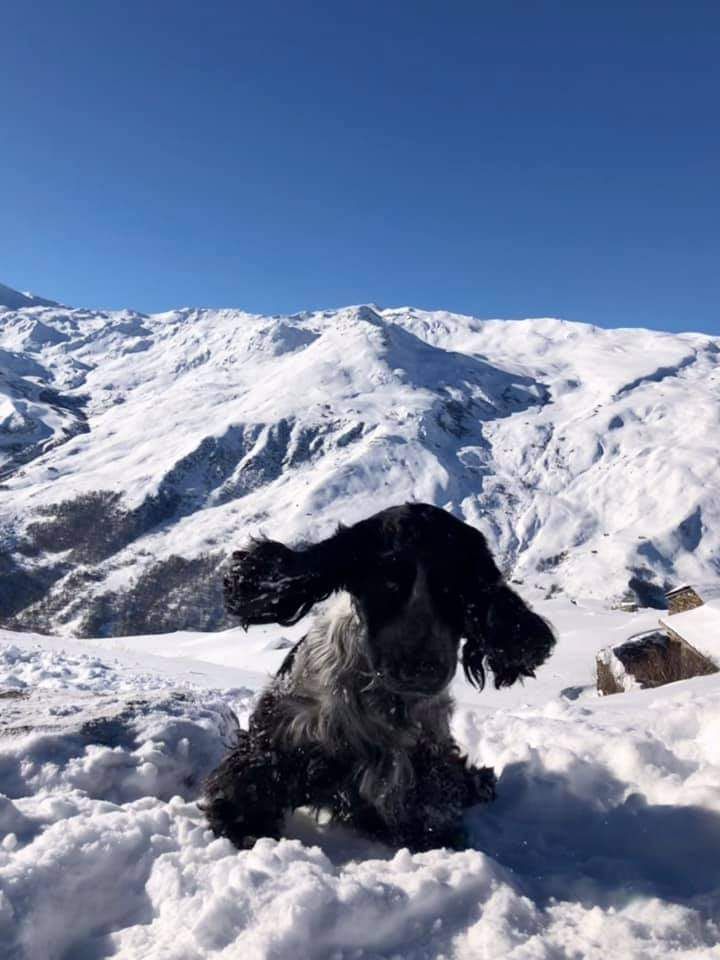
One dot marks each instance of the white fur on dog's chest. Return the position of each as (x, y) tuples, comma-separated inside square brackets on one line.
[(330, 698)]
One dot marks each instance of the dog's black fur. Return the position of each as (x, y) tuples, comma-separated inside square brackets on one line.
[(357, 719)]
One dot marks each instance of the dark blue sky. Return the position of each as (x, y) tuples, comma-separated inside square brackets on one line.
[(499, 158)]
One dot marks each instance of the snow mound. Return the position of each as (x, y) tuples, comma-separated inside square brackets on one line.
[(58, 735)]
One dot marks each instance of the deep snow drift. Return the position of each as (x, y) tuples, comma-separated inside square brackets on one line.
[(586, 455), (604, 840)]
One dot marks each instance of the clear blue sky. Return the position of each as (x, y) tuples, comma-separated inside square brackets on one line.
[(493, 157)]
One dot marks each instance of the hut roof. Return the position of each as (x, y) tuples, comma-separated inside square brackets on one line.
[(699, 627), (683, 586)]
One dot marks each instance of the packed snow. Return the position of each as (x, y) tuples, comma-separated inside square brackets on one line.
[(604, 839)]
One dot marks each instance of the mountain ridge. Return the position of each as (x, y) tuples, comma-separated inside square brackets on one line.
[(15, 300), (137, 450)]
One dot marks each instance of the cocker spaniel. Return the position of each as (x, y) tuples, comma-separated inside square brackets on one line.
[(357, 719)]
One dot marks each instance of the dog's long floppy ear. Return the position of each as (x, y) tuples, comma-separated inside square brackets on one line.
[(270, 583), (501, 632), (508, 636)]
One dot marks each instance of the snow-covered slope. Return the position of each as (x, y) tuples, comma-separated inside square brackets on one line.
[(604, 839), (138, 450)]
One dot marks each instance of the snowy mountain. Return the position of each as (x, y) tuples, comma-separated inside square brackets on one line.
[(136, 451), (14, 300)]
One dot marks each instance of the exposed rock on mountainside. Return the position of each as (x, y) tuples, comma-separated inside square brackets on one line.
[(136, 451)]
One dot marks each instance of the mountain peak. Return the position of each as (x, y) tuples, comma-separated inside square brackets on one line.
[(14, 300)]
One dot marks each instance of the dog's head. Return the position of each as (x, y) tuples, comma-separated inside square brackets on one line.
[(422, 582)]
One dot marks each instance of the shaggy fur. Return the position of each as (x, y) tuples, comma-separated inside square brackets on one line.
[(357, 719)]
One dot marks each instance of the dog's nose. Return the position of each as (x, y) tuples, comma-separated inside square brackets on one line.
[(429, 665)]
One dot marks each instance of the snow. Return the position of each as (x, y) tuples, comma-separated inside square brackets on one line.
[(700, 627), (604, 839)]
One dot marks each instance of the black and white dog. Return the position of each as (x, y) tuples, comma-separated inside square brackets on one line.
[(357, 719)]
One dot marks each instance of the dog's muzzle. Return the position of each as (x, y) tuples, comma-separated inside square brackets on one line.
[(424, 677)]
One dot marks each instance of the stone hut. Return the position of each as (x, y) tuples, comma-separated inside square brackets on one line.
[(682, 598)]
